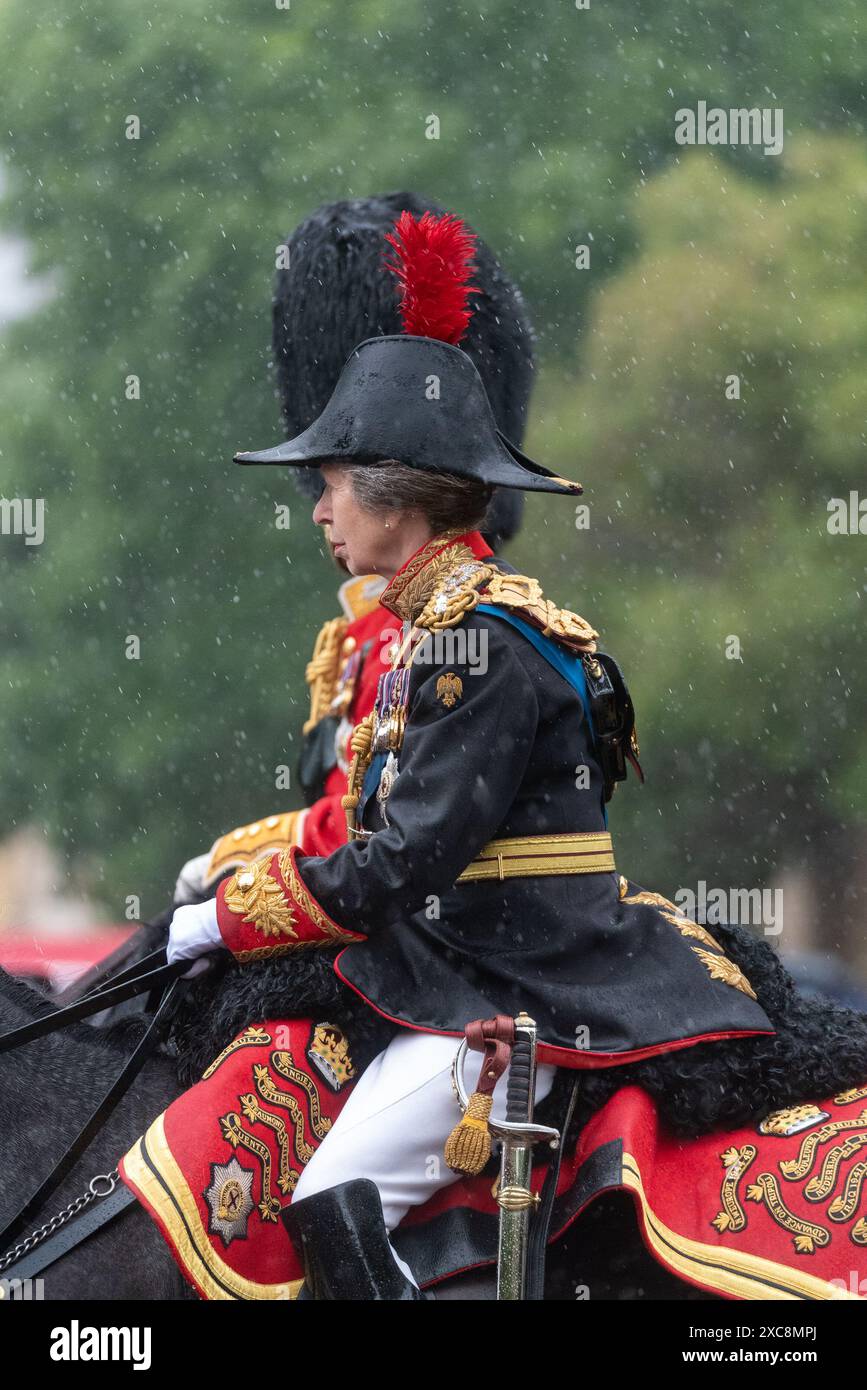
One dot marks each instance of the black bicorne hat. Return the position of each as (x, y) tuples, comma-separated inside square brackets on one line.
[(416, 397), (332, 295), (420, 401)]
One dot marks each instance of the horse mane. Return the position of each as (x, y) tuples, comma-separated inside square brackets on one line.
[(24, 996)]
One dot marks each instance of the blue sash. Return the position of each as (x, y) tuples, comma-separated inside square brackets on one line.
[(567, 663)]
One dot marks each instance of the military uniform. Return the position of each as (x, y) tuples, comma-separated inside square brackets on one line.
[(331, 290), (481, 877), (342, 677)]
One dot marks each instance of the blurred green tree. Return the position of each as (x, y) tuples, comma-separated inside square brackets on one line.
[(722, 405), (162, 249)]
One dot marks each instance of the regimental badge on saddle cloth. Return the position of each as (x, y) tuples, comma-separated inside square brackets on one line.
[(329, 1054)]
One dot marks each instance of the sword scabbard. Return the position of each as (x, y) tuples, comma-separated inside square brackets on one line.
[(515, 1197)]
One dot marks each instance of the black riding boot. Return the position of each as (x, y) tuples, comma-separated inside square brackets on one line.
[(341, 1235)]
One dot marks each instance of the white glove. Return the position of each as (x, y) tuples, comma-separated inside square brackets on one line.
[(194, 933), (191, 879)]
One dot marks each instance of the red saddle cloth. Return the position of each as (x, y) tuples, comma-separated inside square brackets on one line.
[(774, 1211)]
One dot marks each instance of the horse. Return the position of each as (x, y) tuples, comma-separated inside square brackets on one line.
[(48, 1086)]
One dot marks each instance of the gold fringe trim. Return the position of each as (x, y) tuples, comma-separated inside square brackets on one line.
[(468, 1147)]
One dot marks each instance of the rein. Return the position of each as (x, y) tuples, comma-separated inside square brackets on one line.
[(126, 985)]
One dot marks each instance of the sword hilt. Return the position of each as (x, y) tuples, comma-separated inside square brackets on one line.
[(520, 1083)]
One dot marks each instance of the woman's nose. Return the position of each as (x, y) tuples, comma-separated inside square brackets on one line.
[(321, 514)]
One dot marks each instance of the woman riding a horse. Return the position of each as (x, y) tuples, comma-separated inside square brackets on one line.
[(479, 877)]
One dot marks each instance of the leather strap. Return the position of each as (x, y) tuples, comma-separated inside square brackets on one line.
[(102, 998), (129, 1071), (494, 1037), (91, 1220), (541, 1229)]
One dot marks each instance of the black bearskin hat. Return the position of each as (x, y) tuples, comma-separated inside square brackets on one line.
[(334, 294)]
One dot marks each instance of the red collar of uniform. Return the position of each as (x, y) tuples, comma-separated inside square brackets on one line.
[(406, 594)]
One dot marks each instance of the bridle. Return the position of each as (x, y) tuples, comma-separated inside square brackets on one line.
[(146, 976)]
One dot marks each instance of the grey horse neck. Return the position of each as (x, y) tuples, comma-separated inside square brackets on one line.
[(50, 1086)]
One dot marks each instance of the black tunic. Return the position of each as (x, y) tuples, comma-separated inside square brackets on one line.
[(608, 978)]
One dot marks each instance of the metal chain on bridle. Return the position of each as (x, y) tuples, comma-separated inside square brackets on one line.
[(138, 979), (49, 1227)]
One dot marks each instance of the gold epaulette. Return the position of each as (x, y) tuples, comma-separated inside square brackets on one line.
[(482, 583), (250, 842), (323, 669), (360, 594)]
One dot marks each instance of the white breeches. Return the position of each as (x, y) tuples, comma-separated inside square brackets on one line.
[(396, 1121)]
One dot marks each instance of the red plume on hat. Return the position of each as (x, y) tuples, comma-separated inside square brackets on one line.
[(381, 408), (433, 263)]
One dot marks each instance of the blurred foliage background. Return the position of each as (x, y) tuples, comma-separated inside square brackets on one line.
[(708, 515)]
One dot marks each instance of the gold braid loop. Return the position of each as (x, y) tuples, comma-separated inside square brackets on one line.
[(447, 608), (362, 737), (361, 744), (322, 670)]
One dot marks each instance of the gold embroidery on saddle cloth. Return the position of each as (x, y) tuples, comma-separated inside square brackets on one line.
[(794, 1118), (808, 1235), (844, 1206), (228, 1203), (229, 1199), (239, 1136), (282, 1063), (271, 1092), (736, 1162), (822, 1184), (253, 894), (288, 1179), (851, 1096), (819, 1187), (329, 1051), (255, 1113), (236, 1135), (251, 1037), (796, 1168), (254, 1110)]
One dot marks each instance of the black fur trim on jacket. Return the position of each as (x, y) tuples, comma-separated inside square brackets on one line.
[(819, 1048), (295, 985)]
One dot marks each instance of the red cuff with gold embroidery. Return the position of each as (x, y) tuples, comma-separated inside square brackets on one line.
[(266, 908)]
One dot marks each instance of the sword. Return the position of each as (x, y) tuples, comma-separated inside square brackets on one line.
[(517, 1135), (515, 1197)]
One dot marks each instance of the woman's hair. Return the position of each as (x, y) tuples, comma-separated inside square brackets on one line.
[(444, 499)]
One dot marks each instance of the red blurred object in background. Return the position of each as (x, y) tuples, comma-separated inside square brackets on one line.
[(56, 961)]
